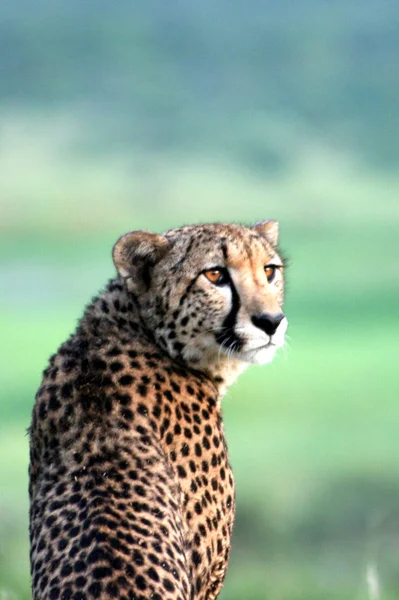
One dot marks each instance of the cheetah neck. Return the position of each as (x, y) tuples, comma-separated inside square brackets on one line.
[(222, 370), (122, 314)]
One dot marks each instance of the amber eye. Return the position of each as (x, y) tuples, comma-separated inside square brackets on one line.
[(216, 276), (270, 271)]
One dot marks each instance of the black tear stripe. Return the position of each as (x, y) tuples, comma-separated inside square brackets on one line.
[(228, 337), (224, 249)]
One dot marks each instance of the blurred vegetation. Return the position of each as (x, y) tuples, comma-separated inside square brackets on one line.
[(151, 114)]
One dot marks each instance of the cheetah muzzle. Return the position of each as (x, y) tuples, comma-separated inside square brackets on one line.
[(132, 495)]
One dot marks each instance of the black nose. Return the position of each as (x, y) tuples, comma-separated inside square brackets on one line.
[(268, 323)]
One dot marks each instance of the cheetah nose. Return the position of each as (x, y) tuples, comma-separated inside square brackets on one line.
[(267, 322)]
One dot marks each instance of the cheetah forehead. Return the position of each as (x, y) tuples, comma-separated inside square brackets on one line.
[(200, 246)]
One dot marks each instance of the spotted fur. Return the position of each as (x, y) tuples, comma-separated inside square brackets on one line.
[(132, 495)]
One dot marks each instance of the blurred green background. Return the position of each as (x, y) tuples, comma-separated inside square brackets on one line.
[(151, 114)]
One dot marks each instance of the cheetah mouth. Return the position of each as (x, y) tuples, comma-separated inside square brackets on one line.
[(244, 348), (261, 354), (269, 344)]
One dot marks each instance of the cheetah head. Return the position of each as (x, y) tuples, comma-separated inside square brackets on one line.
[(208, 293)]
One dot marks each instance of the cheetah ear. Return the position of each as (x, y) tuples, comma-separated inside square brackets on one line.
[(269, 229), (135, 254)]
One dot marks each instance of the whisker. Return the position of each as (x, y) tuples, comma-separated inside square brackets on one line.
[(231, 350)]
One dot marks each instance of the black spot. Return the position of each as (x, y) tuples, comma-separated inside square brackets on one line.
[(152, 574), (123, 582), (74, 532), (85, 541), (185, 450), (140, 490), (80, 581), (54, 403), (181, 471), (123, 399), (127, 414), (178, 346), (140, 582), (130, 571), (116, 366), (168, 395), (142, 409), (99, 364), (114, 351), (55, 532), (80, 566), (198, 449), (205, 466), (138, 558), (142, 390), (112, 589), (42, 410), (78, 458), (175, 387), (205, 443), (73, 552), (168, 584), (154, 559), (66, 390), (54, 593), (126, 380), (62, 544), (95, 589), (101, 572)]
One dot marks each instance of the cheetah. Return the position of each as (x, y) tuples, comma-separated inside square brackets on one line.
[(131, 491)]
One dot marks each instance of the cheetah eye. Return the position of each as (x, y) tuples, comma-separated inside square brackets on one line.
[(218, 275), (270, 271)]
